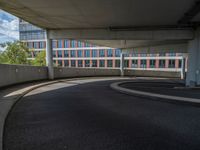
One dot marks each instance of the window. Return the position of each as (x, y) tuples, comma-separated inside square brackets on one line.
[(94, 63), (134, 63), (66, 63), (117, 52), (162, 63), (172, 54), (73, 53), (30, 45), (54, 53), (66, 53), (60, 63), (152, 63), (126, 63), (152, 55), (59, 43), (54, 44), (171, 64), (94, 53), (66, 45), (73, 43), (110, 63), (161, 54), (102, 63), (110, 52), (101, 53), (87, 63), (59, 53), (143, 55), (87, 53), (143, 63), (179, 63), (73, 63), (80, 63), (80, 53), (35, 45), (117, 63), (41, 44)]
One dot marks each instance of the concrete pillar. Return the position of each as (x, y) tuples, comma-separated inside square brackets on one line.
[(49, 56), (193, 72), (122, 64)]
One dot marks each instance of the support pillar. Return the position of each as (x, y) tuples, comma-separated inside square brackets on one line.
[(193, 74), (183, 68), (49, 56), (122, 64)]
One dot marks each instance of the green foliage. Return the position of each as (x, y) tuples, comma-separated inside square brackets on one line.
[(15, 53), (40, 59)]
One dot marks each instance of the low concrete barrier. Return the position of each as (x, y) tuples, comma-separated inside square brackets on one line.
[(149, 73), (14, 74), (84, 72)]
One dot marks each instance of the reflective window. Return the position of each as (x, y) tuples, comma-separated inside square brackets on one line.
[(117, 52), (117, 63), (73, 53), (162, 63), (152, 63), (80, 53), (143, 63), (66, 45), (109, 63), (134, 63), (87, 53), (80, 63), (66, 53), (59, 53), (101, 63), (73, 63), (54, 53), (94, 63), (110, 52), (59, 43), (171, 63), (87, 63), (94, 53), (59, 63), (101, 53), (66, 63)]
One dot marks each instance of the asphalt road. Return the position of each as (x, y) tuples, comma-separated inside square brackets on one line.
[(92, 116)]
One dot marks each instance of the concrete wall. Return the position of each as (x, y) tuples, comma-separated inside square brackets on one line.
[(84, 72), (13, 74), (149, 73)]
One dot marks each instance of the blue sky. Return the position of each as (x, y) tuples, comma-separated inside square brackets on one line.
[(9, 27)]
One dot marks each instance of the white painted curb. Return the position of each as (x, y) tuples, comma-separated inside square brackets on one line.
[(116, 86)]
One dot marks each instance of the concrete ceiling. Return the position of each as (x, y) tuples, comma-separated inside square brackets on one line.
[(107, 14)]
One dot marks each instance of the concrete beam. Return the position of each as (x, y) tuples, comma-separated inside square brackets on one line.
[(106, 34)]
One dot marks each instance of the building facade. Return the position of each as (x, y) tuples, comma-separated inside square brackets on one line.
[(74, 53)]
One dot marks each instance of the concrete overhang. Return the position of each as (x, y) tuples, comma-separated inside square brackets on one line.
[(111, 21)]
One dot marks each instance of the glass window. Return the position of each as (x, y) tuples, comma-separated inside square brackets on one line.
[(73, 53), (171, 63), (102, 63), (60, 63), (134, 63), (162, 63), (54, 53), (80, 63), (66, 44), (126, 63), (73, 63), (110, 52), (35, 45), (110, 63), (117, 52), (143, 63), (162, 54), (66, 62), (42, 45), (87, 63), (94, 63), (94, 53), (179, 63), (143, 55), (59, 43), (172, 54), (87, 53), (54, 44), (117, 63), (30, 45), (152, 63), (80, 53), (59, 53), (101, 53), (66, 53), (153, 55)]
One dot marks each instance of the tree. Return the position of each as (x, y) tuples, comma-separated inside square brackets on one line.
[(40, 59), (15, 53)]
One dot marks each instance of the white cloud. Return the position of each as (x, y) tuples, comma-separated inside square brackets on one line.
[(9, 27)]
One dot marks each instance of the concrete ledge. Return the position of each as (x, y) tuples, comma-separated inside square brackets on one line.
[(116, 86)]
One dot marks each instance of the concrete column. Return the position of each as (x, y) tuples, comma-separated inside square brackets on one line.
[(122, 64), (49, 56), (193, 72)]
